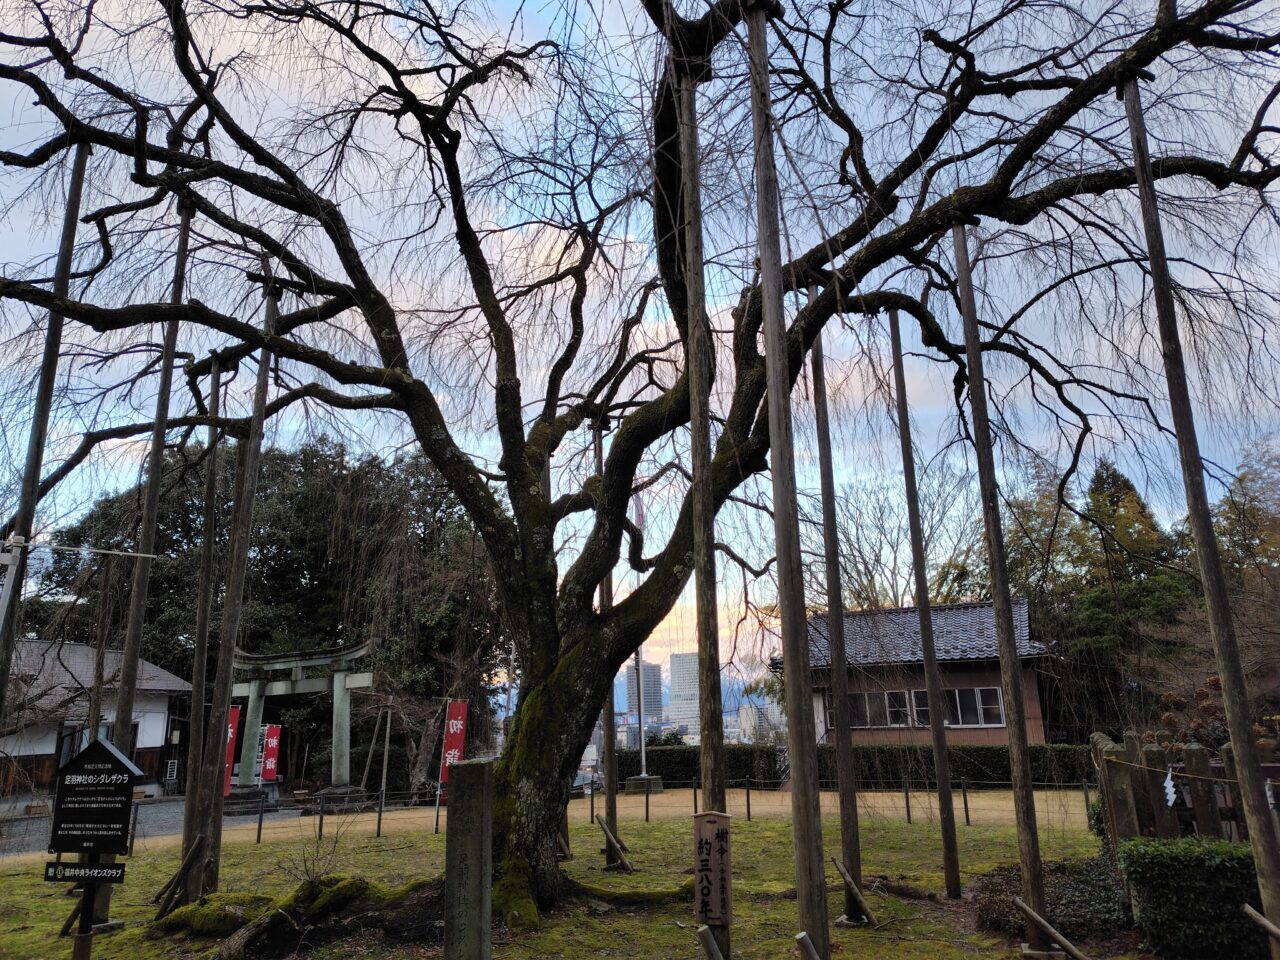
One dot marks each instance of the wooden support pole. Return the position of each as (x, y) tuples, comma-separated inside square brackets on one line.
[(126, 687), (701, 372), (1002, 600), (861, 907), (708, 940), (196, 732), (131, 653), (42, 406), (804, 943), (842, 740), (920, 570), (612, 842), (1268, 927), (1043, 925), (802, 749), (373, 746), (177, 884), (609, 750), (1235, 695), (386, 753), (248, 459), (104, 629), (70, 922)]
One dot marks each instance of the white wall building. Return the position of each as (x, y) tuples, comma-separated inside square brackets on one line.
[(49, 693)]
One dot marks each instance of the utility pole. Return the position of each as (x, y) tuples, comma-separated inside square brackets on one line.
[(806, 816), (204, 607), (29, 496), (1024, 807), (609, 749), (128, 682), (248, 458), (846, 773), (1226, 648), (701, 369), (932, 679)]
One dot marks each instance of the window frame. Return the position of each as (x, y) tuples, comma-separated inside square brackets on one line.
[(917, 704), (952, 695)]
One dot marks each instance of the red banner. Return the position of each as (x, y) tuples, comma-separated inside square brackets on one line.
[(270, 752), (455, 734), (233, 721)]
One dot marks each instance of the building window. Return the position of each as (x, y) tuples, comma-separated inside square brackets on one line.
[(920, 703), (966, 707), (896, 701), (874, 709)]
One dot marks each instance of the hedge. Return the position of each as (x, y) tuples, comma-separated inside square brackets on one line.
[(1083, 897), (1187, 896), (879, 767)]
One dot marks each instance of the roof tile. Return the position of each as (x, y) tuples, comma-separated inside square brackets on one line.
[(961, 631)]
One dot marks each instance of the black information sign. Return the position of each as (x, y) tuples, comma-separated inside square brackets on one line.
[(59, 872), (93, 801)]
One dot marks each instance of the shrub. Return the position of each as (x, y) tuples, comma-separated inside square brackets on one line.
[(879, 767), (1084, 899), (1097, 815), (1187, 895)]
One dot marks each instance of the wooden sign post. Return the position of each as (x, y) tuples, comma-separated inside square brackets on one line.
[(712, 880), (92, 808)]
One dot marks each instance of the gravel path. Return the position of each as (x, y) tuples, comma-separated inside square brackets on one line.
[(162, 818)]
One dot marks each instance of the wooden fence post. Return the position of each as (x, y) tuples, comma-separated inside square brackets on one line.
[(1204, 798), (1119, 793), (1156, 764), (1233, 789), (1138, 784)]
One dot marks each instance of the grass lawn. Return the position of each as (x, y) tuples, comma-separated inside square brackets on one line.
[(588, 925)]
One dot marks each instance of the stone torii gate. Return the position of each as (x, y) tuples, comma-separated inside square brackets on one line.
[(257, 686)]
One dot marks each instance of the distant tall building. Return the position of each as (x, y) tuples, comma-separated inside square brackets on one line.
[(683, 706), (761, 722), (651, 677)]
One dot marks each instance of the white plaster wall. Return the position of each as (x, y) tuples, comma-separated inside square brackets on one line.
[(150, 710), (39, 739)]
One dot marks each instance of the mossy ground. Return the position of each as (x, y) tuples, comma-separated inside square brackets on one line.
[(763, 859)]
